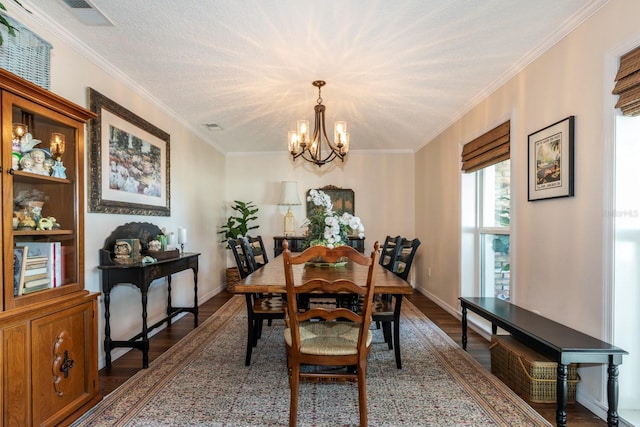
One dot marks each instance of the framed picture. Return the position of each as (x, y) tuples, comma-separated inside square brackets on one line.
[(129, 162), (551, 161), (343, 199)]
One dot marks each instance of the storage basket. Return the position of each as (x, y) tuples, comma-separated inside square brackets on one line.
[(25, 54), (528, 373)]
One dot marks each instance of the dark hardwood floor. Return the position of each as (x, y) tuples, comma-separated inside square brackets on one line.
[(130, 363)]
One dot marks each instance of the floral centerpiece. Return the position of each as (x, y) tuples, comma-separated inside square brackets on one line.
[(326, 227)]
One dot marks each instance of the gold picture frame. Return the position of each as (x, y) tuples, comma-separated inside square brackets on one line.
[(343, 199), (126, 149)]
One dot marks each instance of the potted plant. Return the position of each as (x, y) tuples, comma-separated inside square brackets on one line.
[(238, 225)]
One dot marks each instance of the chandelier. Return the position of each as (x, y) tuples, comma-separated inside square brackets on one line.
[(310, 148)]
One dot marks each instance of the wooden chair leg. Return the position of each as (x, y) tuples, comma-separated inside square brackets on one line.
[(258, 330), (386, 332), (294, 383), (362, 395), (396, 340), (250, 340)]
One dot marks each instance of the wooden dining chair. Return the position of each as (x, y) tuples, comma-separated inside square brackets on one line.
[(386, 308), (259, 307), (256, 254), (388, 253), (323, 336)]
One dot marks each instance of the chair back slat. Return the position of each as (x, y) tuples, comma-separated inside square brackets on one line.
[(323, 286), (404, 257), (389, 252), (239, 255), (255, 252)]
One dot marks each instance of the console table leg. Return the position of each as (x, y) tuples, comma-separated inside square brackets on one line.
[(464, 327), (145, 333), (561, 393), (107, 327), (195, 297), (169, 309), (612, 393)]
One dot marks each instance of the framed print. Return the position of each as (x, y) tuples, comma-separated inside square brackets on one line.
[(128, 162), (343, 199), (551, 161)]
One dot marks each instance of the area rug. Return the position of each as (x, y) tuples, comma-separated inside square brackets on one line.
[(202, 381)]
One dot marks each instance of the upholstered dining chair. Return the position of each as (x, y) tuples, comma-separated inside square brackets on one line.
[(328, 336), (386, 308), (259, 307)]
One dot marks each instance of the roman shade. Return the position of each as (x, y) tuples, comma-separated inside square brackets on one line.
[(488, 149), (628, 83)]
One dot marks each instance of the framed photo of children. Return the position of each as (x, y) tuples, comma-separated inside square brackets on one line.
[(551, 161), (129, 162)]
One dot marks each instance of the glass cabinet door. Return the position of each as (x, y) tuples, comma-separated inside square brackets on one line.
[(40, 161)]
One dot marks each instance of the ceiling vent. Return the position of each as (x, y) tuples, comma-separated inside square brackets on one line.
[(87, 13), (213, 126)]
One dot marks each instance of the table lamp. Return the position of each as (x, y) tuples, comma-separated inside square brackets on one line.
[(289, 197)]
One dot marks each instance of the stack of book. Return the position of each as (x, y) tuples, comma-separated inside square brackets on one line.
[(36, 274), (41, 267)]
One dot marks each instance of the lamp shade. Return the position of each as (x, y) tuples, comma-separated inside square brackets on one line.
[(289, 194)]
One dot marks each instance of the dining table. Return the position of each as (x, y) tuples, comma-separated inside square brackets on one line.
[(270, 279)]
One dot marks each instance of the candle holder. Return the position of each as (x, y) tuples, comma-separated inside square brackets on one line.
[(57, 146), (182, 238)]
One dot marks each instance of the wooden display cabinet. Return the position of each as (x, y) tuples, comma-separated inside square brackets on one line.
[(48, 353)]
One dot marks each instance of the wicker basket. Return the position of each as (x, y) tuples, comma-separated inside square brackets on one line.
[(233, 277), (26, 55), (530, 374)]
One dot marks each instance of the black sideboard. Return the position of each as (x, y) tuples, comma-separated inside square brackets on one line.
[(296, 244)]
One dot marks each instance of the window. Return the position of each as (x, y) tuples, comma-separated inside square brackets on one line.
[(486, 198), (493, 229), (626, 263)]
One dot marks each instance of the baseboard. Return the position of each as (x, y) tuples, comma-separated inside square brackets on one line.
[(120, 351), (484, 330)]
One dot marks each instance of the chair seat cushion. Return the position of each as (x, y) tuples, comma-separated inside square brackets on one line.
[(327, 338)]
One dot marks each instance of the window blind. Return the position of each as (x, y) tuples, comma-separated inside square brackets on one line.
[(488, 149), (628, 83)]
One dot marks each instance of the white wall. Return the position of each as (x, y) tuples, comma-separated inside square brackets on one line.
[(197, 187), (559, 253), (383, 184)]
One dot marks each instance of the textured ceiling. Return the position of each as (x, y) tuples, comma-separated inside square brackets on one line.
[(398, 72)]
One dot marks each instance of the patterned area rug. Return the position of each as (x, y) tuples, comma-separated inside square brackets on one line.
[(202, 381)]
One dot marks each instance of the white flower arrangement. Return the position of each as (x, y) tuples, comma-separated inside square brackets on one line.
[(326, 227)]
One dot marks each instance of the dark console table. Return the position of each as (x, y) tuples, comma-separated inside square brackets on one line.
[(557, 341), (296, 244), (141, 276)]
